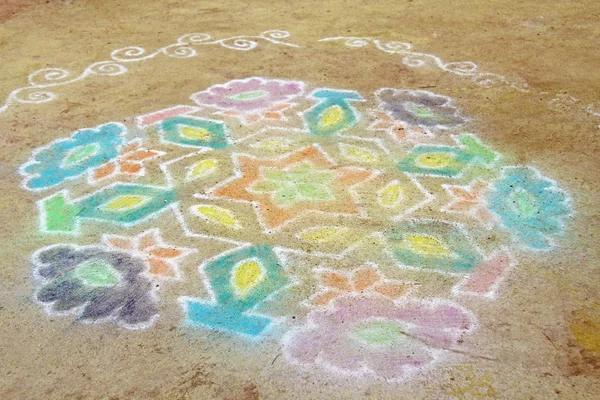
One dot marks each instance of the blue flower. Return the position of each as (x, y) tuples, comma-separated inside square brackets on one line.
[(531, 206), (68, 158)]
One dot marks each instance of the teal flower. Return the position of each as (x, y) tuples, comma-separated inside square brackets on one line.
[(529, 205), (301, 182), (68, 158)]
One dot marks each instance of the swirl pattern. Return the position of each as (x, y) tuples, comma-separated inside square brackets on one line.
[(51, 77), (414, 59)]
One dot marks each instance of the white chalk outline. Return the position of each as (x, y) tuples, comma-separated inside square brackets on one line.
[(193, 209), (492, 294), (32, 158), (256, 205), (560, 219), (458, 146), (209, 172), (364, 371), (482, 203), (90, 172), (349, 274), (182, 48), (153, 292), (212, 298), (159, 242), (429, 130), (320, 100), (140, 118), (227, 138), (77, 223), (415, 59), (242, 115), (457, 225)]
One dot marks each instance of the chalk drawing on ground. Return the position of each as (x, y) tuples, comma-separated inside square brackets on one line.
[(293, 197)]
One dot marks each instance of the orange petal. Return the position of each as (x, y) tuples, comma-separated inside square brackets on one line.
[(460, 192), (364, 278), (120, 243), (131, 147), (462, 205), (160, 267), (379, 125), (384, 116), (418, 131), (105, 170), (130, 168), (230, 112), (324, 298), (479, 188), (273, 115), (392, 289), (399, 131), (336, 281), (254, 118), (485, 216), (146, 241), (166, 252), (281, 107), (140, 155)]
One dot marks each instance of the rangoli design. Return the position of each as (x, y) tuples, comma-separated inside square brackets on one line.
[(263, 190)]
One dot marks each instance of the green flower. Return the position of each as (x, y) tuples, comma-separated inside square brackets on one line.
[(300, 182)]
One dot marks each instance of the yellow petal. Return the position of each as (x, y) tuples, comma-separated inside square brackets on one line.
[(219, 215), (358, 153), (332, 116), (246, 276), (126, 202), (201, 169), (195, 133), (321, 234), (390, 195), (428, 245)]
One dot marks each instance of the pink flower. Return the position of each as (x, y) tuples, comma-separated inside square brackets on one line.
[(249, 95), (377, 335)]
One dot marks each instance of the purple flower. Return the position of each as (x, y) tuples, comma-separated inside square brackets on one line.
[(419, 108), (249, 95), (377, 335)]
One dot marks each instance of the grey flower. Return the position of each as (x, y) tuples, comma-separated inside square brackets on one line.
[(96, 283), (419, 108)]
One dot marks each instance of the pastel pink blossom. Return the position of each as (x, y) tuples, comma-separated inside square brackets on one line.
[(249, 95), (377, 335)]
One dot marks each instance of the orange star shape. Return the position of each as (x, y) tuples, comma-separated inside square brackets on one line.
[(339, 200), (129, 162), (275, 113), (470, 200), (364, 279), (162, 260)]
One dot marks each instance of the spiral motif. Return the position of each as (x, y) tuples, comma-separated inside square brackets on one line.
[(36, 97), (356, 42), (488, 79), (461, 68), (47, 76), (194, 38), (239, 44), (130, 53), (275, 34), (393, 47), (179, 51), (105, 68), (414, 60)]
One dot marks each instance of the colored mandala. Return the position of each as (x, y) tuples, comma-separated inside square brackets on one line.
[(280, 190)]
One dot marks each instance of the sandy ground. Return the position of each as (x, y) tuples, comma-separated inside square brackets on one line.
[(538, 338)]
